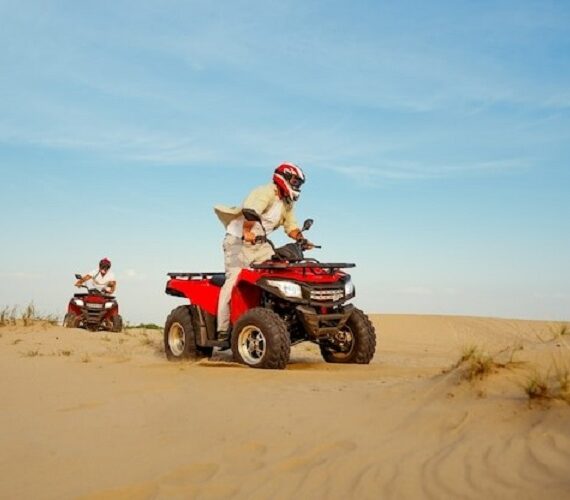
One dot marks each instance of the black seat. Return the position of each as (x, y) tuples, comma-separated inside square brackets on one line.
[(218, 279), (85, 294)]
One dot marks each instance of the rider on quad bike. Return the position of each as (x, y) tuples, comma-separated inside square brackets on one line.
[(95, 309), (103, 278), (245, 241), (276, 303)]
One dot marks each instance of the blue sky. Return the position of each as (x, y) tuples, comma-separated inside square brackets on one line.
[(435, 138)]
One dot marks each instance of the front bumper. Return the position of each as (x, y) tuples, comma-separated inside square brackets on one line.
[(93, 317), (320, 326)]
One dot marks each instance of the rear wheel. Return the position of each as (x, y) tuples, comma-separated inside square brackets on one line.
[(260, 339), (71, 320), (355, 342), (180, 338)]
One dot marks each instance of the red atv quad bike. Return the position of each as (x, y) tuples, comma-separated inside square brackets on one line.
[(274, 305), (93, 310)]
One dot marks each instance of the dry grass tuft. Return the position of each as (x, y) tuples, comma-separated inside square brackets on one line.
[(52, 319), (4, 316), (12, 316), (478, 364), (563, 377), (556, 331), (32, 353), (65, 353), (143, 326), (536, 386), (85, 358), (29, 316), (474, 363), (467, 353), (552, 384)]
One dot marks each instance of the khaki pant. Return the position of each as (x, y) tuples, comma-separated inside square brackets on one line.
[(237, 255)]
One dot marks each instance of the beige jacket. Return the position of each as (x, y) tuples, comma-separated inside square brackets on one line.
[(260, 200)]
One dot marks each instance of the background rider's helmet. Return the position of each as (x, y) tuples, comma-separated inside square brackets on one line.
[(289, 178), (104, 263)]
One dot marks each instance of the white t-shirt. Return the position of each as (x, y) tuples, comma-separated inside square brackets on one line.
[(99, 281), (270, 220)]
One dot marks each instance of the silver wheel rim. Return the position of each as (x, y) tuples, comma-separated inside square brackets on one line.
[(251, 345), (176, 339)]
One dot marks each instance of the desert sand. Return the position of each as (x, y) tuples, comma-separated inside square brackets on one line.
[(102, 415)]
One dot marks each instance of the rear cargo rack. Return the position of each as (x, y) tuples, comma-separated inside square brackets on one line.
[(196, 276)]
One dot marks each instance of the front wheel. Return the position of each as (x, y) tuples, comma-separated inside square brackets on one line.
[(71, 320), (355, 342), (260, 339), (117, 323)]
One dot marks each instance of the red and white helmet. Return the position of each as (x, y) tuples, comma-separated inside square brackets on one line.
[(104, 263), (289, 178)]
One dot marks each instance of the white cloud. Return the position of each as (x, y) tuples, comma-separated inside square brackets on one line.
[(233, 93), (403, 170)]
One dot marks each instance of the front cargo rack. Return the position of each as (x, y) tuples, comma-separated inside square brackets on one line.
[(303, 265)]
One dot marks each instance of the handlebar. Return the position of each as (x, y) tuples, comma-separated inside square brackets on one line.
[(93, 291), (305, 245)]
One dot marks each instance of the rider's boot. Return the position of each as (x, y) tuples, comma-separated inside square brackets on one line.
[(224, 336)]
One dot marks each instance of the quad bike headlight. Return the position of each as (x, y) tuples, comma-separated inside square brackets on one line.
[(348, 288), (108, 305), (287, 288), (78, 302)]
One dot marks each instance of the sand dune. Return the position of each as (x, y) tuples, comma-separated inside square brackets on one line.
[(94, 415)]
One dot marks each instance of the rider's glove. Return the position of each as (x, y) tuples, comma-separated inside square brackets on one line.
[(249, 237)]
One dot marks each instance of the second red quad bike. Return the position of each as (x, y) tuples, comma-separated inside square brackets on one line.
[(93, 310), (275, 304)]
